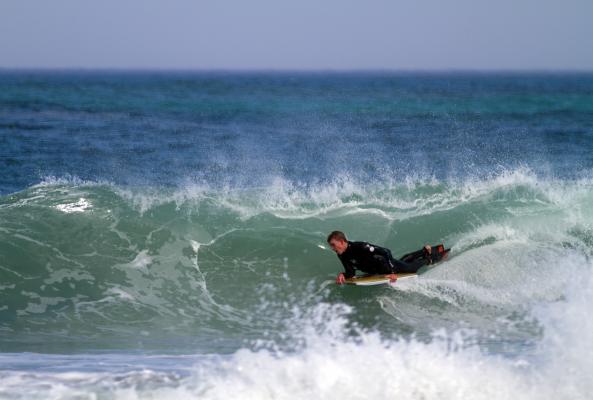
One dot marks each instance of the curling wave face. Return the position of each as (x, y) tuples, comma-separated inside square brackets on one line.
[(217, 270)]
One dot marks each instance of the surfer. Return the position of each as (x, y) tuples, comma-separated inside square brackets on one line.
[(372, 259)]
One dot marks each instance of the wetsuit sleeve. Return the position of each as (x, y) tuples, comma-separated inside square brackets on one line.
[(348, 268)]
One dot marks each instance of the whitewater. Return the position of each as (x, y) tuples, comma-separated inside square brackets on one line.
[(175, 248)]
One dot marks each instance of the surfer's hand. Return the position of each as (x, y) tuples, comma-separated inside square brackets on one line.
[(340, 278), (392, 277)]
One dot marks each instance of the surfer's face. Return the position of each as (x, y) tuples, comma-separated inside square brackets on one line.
[(339, 246)]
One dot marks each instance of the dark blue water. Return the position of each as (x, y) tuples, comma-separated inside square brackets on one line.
[(241, 129)]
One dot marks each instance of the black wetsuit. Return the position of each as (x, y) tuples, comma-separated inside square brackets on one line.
[(371, 259)]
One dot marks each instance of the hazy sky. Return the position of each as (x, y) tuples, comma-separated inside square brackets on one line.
[(298, 34)]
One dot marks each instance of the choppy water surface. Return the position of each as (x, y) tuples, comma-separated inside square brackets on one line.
[(162, 235)]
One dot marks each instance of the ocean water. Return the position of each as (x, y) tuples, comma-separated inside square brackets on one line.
[(162, 235)]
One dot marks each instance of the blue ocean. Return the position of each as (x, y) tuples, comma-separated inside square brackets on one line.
[(162, 234)]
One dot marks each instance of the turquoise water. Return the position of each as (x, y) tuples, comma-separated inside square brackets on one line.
[(162, 234)]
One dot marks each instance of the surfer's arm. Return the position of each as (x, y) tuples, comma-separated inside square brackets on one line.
[(349, 271)]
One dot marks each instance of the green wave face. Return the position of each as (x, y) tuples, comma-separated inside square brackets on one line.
[(90, 265)]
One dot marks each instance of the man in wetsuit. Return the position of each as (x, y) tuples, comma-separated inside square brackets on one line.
[(369, 258)]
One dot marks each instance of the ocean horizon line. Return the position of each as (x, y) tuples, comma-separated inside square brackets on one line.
[(306, 71)]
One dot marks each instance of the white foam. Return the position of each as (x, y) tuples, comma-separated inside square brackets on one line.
[(142, 260), (120, 293), (79, 206), (334, 367)]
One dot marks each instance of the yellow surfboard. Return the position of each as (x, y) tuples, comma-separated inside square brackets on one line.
[(371, 280)]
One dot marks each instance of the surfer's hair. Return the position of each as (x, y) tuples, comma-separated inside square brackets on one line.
[(336, 235)]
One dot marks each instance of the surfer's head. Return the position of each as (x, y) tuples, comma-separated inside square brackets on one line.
[(337, 241)]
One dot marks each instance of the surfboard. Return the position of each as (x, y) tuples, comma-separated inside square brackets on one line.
[(371, 280)]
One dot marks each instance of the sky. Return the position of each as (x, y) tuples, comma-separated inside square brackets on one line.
[(298, 34)]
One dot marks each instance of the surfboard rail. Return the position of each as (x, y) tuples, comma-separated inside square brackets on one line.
[(371, 280)]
